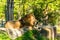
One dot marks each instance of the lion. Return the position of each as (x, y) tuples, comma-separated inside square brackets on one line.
[(16, 28)]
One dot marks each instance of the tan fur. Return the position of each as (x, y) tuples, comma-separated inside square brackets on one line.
[(14, 26), (30, 19)]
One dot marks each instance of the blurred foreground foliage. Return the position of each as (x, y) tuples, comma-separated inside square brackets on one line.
[(4, 36), (29, 35)]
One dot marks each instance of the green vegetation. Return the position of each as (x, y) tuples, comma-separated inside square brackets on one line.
[(29, 35), (4, 36), (32, 35), (45, 11)]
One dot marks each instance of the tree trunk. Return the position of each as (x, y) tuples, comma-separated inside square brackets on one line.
[(9, 10)]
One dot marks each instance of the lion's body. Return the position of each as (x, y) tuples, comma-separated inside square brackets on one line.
[(15, 28), (13, 24)]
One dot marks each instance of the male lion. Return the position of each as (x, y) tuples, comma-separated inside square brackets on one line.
[(29, 20), (17, 28)]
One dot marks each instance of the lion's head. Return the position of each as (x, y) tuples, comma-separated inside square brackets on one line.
[(29, 19)]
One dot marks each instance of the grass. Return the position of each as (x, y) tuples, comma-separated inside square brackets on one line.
[(4, 36)]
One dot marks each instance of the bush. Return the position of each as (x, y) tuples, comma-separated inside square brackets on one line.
[(29, 35)]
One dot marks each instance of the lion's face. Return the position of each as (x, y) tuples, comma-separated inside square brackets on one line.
[(29, 19)]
